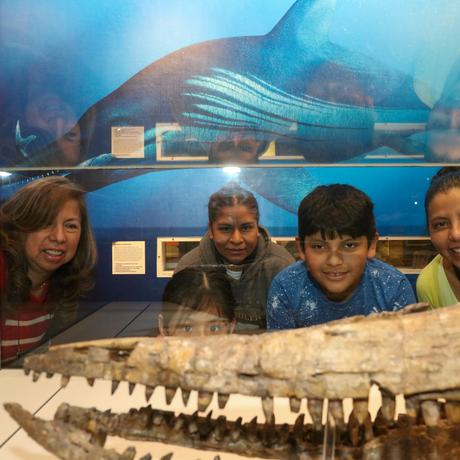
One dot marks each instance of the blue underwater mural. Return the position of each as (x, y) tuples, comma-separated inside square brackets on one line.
[(319, 80)]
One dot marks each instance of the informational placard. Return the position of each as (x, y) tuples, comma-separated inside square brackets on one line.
[(128, 141), (128, 258)]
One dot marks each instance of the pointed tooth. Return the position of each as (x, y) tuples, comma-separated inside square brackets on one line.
[(204, 399), (35, 376), (336, 410), (131, 387), (222, 400), (431, 412), (315, 408), (388, 407), (267, 407), (49, 375), (148, 392), (453, 411), (26, 371), (90, 381), (235, 434), (368, 428), (185, 396), (353, 429), (220, 428), (157, 418), (64, 380), (299, 421), (360, 408), (412, 407), (115, 384), (251, 430), (179, 423), (169, 395), (294, 404), (167, 456), (192, 423), (146, 457), (205, 426)]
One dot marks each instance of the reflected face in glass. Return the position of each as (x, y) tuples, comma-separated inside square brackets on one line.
[(192, 323), (239, 150), (444, 225), (235, 233), (444, 134), (51, 247), (337, 264)]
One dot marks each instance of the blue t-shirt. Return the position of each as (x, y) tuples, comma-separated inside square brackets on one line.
[(295, 299)]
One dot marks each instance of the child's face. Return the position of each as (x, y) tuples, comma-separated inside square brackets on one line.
[(444, 225), (235, 233), (337, 264), (192, 323)]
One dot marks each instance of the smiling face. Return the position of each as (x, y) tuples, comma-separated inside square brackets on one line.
[(337, 264), (444, 225), (51, 247), (235, 233)]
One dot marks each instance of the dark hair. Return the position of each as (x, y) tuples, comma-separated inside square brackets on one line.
[(196, 288), (32, 208), (445, 179), (231, 195), (336, 209)]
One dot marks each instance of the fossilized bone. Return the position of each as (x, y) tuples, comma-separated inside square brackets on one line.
[(414, 355)]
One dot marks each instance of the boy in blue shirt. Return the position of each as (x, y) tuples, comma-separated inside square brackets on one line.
[(338, 275)]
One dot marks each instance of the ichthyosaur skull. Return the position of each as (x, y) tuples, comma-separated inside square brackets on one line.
[(292, 85), (409, 354)]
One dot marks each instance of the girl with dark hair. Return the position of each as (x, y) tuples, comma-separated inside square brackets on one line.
[(47, 257), (236, 241), (198, 302), (439, 282)]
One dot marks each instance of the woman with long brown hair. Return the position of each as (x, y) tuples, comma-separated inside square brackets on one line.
[(47, 257)]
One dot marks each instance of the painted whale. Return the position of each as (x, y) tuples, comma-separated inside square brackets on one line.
[(292, 85)]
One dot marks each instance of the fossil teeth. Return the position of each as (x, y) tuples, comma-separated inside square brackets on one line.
[(204, 399), (360, 409), (64, 380), (412, 407), (179, 423), (169, 395), (26, 371), (251, 430), (131, 387), (267, 406), (115, 384), (35, 376), (353, 429), (148, 392), (235, 434), (90, 381), (192, 424), (222, 400), (336, 410), (388, 407), (49, 375), (185, 396), (453, 411), (431, 412), (167, 456), (315, 408), (220, 428), (294, 404)]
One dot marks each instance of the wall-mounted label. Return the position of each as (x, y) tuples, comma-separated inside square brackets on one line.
[(128, 258), (128, 141)]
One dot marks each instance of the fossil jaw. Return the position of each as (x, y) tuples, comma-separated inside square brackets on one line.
[(402, 354)]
